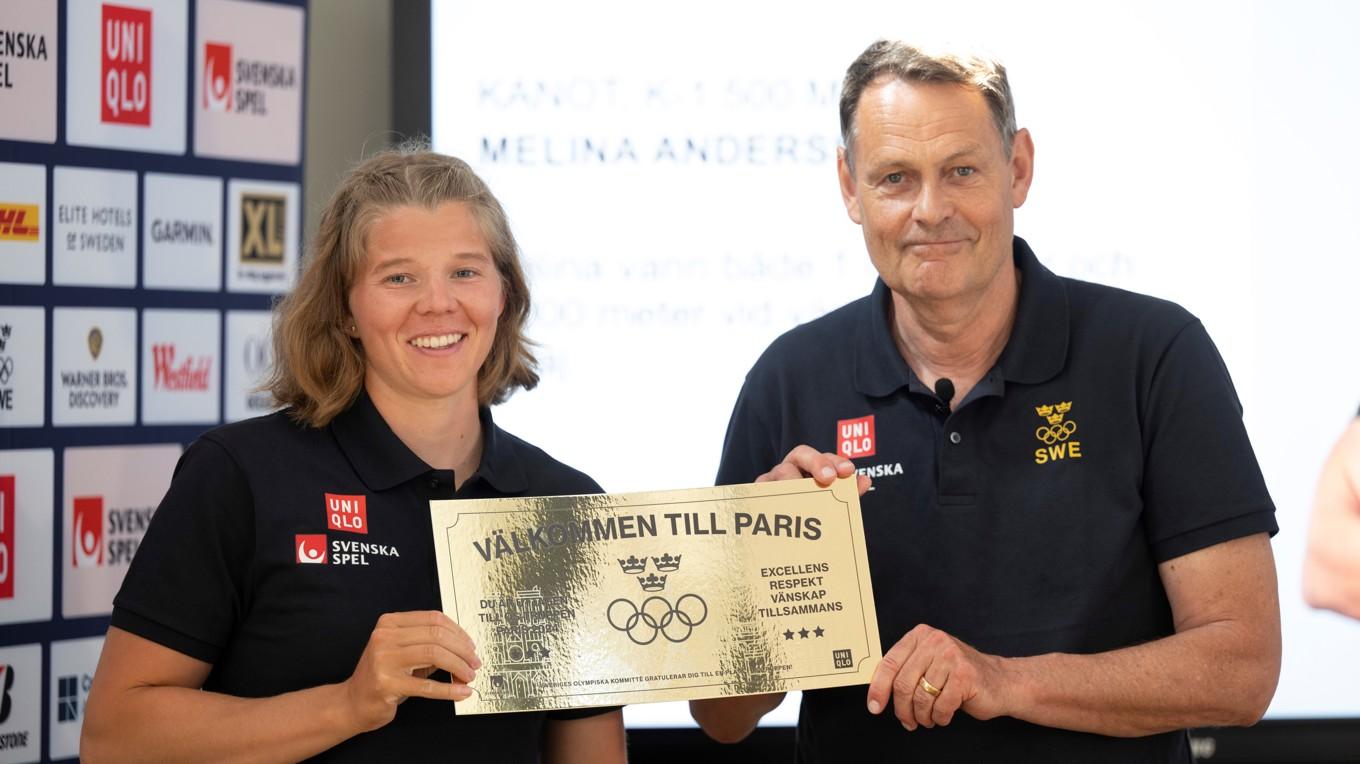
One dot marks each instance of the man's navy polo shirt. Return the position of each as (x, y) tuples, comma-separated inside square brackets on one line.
[(1107, 439), (277, 547)]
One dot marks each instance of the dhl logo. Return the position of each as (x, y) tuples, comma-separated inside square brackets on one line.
[(18, 222)]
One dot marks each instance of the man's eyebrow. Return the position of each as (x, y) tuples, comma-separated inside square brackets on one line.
[(966, 151)]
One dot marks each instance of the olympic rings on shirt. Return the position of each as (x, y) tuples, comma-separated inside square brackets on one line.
[(656, 616), (1051, 435)]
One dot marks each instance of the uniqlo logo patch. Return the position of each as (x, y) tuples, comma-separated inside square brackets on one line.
[(125, 69), (311, 548), (217, 85), (346, 513), (855, 437), (87, 536), (6, 537)]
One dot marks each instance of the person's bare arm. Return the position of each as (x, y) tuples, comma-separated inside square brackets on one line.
[(1219, 668), (146, 703), (590, 740), (1331, 567)]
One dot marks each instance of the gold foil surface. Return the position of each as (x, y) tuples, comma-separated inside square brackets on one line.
[(669, 595)]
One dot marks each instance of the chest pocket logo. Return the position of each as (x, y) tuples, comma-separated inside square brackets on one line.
[(1056, 434)]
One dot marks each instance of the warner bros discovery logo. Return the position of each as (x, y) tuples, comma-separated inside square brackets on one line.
[(125, 65)]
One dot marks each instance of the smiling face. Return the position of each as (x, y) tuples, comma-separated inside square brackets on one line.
[(425, 305), (933, 188)]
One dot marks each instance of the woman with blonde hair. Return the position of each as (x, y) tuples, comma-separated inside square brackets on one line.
[(284, 603)]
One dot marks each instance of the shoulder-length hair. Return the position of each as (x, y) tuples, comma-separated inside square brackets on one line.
[(318, 368)]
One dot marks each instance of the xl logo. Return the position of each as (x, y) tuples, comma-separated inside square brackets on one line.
[(262, 220), (6, 536), (217, 77), (87, 535), (125, 45)]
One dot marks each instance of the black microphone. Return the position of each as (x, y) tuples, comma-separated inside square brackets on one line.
[(944, 390)]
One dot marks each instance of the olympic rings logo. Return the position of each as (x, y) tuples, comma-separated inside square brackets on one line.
[(656, 616), (1058, 432)]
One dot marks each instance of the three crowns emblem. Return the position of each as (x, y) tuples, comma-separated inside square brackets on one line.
[(1054, 412), (666, 563), (651, 582)]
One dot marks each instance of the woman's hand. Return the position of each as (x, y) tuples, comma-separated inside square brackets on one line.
[(403, 651)]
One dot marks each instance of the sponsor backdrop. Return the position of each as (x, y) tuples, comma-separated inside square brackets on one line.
[(150, 192), (675, 194)]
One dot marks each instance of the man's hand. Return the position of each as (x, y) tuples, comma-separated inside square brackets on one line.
[(806, 461), (958, 677)]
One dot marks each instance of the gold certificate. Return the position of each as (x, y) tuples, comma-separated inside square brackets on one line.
[(668, 595)]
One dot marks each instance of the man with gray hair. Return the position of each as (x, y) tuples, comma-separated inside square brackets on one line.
[(1068, 532)]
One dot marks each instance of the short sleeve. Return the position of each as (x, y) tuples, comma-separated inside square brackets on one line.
[(1202, 484), (184, 588), (749, 449)]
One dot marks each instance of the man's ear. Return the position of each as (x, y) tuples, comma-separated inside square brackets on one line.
[(849, 189), (1022, 166)]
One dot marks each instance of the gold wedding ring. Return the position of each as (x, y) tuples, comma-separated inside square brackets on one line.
[(930, 689)]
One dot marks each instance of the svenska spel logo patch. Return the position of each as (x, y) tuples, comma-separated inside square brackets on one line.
[(311, 548)]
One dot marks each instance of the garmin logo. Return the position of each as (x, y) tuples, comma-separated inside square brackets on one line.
[(181, 232)]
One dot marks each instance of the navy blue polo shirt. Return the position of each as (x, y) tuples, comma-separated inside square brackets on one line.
[(277, 547), (1031, 519)]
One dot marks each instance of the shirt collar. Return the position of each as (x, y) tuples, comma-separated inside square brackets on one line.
[(382, 460), (1035, 352), (501, 466), (1037, 348)]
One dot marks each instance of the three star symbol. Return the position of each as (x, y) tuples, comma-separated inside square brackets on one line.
[(804, 633)]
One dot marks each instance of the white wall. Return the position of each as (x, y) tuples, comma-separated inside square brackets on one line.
[(1202, 152)]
